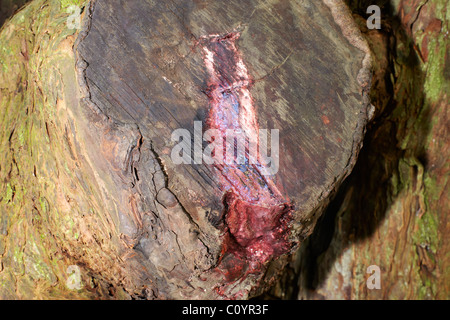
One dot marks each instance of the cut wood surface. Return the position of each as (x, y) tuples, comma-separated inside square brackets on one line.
[(88, 118)]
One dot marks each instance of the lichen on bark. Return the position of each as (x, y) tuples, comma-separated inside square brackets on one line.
[(42, 213)]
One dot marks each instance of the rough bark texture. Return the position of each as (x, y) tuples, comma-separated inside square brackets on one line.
[(393, 209), (87, 117)]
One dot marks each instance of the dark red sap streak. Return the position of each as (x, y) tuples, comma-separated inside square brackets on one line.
[(257, 214)]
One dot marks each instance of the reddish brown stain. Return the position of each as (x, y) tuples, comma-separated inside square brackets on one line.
[(257, 214), (325, 120)]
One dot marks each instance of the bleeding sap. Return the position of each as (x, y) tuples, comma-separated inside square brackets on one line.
[(257, 214)]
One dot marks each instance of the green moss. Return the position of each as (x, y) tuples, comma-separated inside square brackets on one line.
[(438, 47), (18, 254), (432, 188), (428, 288), (427, 233), (29, 89), (67, 168), (67, 3), (44, 204), (404, 170), (22, 135), (435, 82), (9, 193)]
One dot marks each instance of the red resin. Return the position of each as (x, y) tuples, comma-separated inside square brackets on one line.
[(256, 213)]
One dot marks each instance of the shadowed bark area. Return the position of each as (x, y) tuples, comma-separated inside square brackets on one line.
[(393, 210), (88, 182), (9, 7)]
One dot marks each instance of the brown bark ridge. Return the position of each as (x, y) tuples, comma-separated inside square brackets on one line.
[(393, 210), (89, 183)]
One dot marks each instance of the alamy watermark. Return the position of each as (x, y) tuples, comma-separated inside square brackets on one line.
[(74, 19), (233, 146), (73, 282), (374, 280), (374, 21)]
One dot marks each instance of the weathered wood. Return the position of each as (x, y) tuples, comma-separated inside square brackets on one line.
[(392, 212), (140, 225)]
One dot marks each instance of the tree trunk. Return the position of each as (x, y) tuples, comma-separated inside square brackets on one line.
[(392, 212), (93, 204)]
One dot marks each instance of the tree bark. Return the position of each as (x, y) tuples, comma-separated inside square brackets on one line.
[(89, 184), (392, 211)]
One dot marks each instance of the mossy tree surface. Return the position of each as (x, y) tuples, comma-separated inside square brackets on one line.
[(393, 210), (45, 196)]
